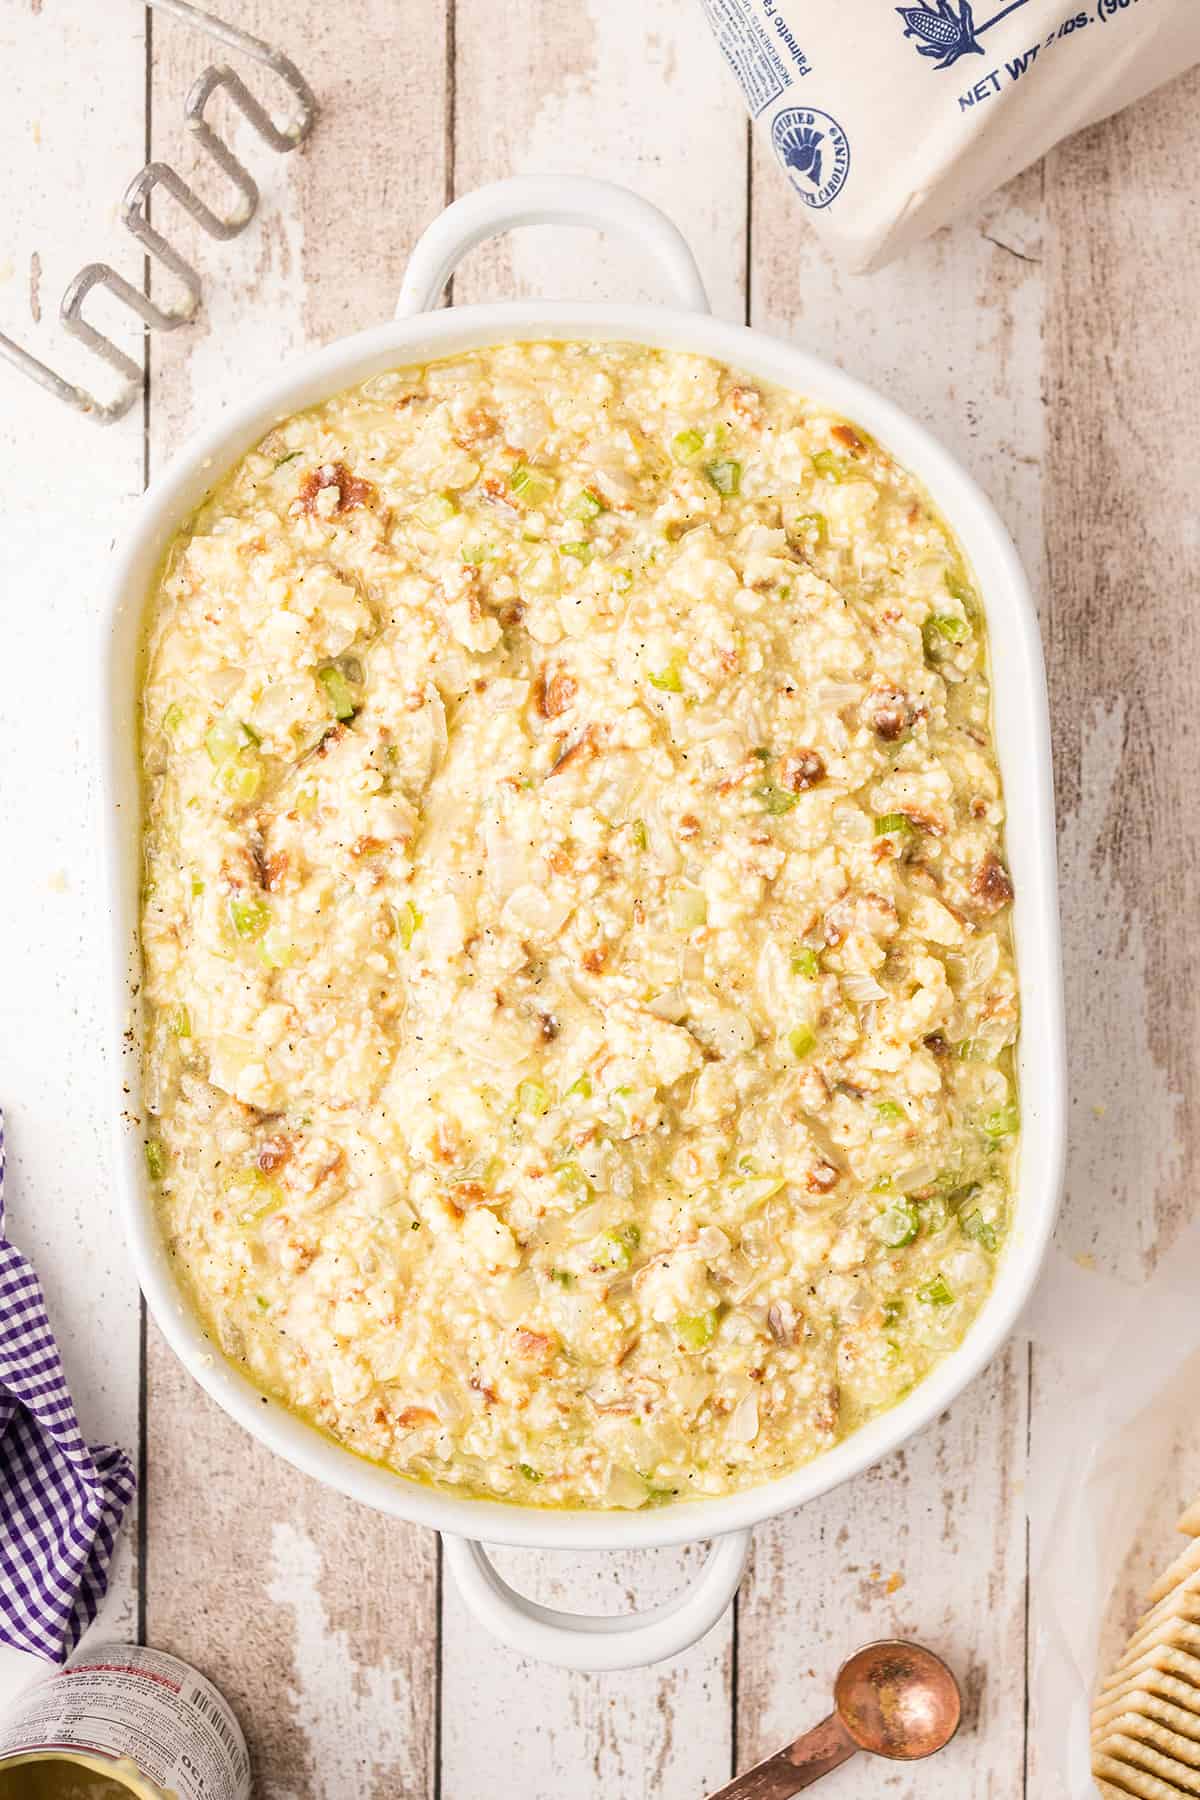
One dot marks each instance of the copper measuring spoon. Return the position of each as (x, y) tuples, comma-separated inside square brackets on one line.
[(892, 1699)]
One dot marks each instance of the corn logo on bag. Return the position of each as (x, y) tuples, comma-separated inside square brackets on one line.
[(888, 119)]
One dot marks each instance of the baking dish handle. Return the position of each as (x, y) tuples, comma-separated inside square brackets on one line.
[(593, 1641), (545, 200)]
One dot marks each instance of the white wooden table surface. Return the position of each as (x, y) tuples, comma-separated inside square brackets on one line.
[(1050, 339)]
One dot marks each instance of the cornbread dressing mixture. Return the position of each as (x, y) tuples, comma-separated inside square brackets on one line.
[(579, 985)]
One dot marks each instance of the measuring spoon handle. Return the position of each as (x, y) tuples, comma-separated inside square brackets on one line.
[(817, 1753)]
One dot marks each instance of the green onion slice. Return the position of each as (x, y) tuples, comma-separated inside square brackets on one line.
[(249, 918), (408, 922), (531, 485), (1003, 1122), (897, 1225), (979, 1230), (695, 1330), (725, 476), (337, 691)]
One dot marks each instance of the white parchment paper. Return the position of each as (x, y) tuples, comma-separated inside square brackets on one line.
[(1115, 1456)]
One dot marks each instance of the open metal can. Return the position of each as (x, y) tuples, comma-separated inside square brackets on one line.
[(121, 1721)]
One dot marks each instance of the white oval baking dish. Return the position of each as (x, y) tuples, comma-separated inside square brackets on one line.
[(1023, 742)]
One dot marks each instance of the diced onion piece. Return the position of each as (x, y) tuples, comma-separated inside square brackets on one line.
[(743, 1425), (689, 909)]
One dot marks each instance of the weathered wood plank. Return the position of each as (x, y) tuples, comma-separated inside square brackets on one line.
[(1123, 451), (68, 485), (318, 1618), (614, 89), (635, 95), (518, 1730), (932, 1543), (928, 1545), (1123, 365)]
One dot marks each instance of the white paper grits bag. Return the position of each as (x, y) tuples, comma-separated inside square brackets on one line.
[(888, 119)]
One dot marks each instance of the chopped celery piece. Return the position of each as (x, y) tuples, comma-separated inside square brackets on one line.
[(258, 1193), (290, 457), (156, 1159), (695, 1330), (437, 508), (582, 1087), (197, 887), (726, 477), (572, 1177), (588, 505), (638, 830), (172, 718), (897, 1225), (1003, 1122), (532, 1098), (889, 822), (807, 963), (408, 922), (579, 549), (754, 1189), (563, 1277), (615, 1249), (775, 800), (884, 1185), (337, 692), (528, 1471), (240, 779), (687, 444), (276, 951), (936, 1292), (976, 1227), (474, 553), (532, 485), (180, 1020), (801, 1040), (669, 680), (830, 466), (813, 524), (622, 580), (689, 909), (261, 1302), (889, 1110), (893, 1311), (937, 632), (225, 737), (249, 918)]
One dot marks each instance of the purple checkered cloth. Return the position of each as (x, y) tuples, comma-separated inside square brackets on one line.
[(61, 1500)]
